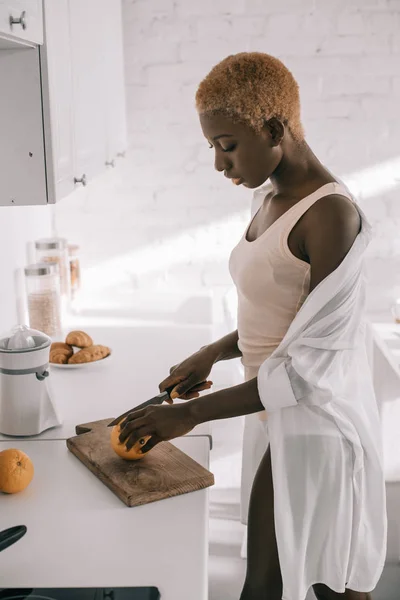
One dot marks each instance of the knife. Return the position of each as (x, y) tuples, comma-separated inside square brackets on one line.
[(159, 399), (11, 535)]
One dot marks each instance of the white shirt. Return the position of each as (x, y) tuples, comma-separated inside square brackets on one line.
[(325, 438)]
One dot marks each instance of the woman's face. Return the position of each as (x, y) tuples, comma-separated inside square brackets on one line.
[(244, 156)]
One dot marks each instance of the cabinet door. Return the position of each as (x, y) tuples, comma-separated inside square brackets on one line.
[(57, 99), (116, 140), (29, 12), (88, 77), (22, 159)]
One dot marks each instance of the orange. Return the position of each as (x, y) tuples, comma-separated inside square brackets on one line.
[(16, 471), (135, 453)]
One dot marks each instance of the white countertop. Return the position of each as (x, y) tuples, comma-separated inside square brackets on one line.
[(80, 534), (141, 357)]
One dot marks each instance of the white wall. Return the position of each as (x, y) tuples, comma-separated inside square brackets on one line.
[(19, 226), (164, 218)]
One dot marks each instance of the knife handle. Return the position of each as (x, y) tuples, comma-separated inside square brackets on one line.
[(164, 396), (11, 535)]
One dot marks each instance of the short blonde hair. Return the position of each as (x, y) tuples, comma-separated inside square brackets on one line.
[(252, 87)]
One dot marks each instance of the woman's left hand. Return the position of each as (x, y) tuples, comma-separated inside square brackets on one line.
[(161, 422)]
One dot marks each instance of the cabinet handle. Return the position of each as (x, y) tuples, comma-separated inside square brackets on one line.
[(110, 163), (121, 154), (82, 180), (20, 21)]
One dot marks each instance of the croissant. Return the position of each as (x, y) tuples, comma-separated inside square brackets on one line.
[(90, 354), (60, 353), (62, 347), (80, 339), (58, 357), (105, 350)]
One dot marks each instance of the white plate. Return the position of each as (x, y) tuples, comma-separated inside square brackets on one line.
[(81, 365)]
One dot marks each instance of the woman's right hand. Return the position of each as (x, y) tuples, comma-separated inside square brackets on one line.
[(189, 377)]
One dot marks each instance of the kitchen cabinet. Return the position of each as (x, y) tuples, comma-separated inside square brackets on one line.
[(22, 143), (88, 49), (21, 20), (85, 120), (65, 122), (115, 84), (56, 68)]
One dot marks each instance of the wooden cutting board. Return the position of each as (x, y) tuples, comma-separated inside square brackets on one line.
[(164, 472)]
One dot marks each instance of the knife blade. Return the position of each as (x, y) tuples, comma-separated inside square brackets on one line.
[(11, 535), (159, 399)]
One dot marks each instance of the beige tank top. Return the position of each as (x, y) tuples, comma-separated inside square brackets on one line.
[(271, 282)]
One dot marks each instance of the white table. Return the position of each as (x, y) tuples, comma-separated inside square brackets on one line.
[(81, 535), (141, 357)]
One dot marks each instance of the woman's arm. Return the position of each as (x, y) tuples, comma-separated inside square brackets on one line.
[(328, 230), (225, 348), (242, 399), (189, 377), (165, 422)]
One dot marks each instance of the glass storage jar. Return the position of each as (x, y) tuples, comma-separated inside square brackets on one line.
[(74, 269), (42, 282), (55, 250)]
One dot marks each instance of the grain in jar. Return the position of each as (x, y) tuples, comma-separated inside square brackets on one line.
[(42, 282)]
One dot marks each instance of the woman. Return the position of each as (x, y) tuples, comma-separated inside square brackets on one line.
[(317, 508)]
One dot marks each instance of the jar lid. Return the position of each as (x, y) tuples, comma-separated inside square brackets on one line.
[(40, 269), (51, 244), (73, 249)]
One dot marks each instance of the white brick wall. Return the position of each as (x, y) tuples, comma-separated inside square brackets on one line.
[(164, 217)]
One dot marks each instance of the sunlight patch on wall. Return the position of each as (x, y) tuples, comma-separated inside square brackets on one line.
[(214, 241), (198, 244), (374, 180)]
